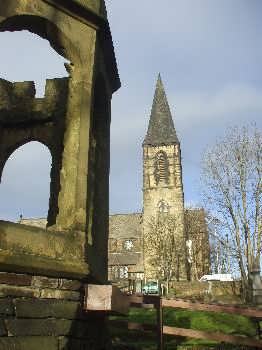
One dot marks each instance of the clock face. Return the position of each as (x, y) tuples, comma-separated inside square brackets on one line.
[(128, 245)]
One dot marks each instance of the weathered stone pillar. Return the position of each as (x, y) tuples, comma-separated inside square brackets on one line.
[(43, 272)]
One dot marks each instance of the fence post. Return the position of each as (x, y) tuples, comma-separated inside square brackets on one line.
[(159, 310)]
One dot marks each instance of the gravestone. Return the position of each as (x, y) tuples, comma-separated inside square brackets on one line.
[(256, 286)]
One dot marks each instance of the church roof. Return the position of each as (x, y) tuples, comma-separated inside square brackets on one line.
[(125, 226), (124, 258), (161, 130)]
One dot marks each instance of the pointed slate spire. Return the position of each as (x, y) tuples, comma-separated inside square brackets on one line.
[(161, 130)]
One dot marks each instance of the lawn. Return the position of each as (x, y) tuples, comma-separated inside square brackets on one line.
[(204, 321)]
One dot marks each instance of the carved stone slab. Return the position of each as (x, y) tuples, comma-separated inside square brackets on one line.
[(105, 298)]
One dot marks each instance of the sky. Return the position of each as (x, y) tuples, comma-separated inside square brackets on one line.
[(209, 55)]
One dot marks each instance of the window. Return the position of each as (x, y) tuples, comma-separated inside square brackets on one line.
[(161, 171), (128, 244), (123, 272), (118, 272), (163, 207)]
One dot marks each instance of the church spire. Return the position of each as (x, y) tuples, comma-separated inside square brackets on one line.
[(161, 130)]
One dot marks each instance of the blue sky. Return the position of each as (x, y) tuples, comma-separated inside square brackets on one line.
[(209, 54)]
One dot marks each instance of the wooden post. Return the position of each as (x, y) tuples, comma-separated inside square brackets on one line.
[(258, 328), (159, 310)]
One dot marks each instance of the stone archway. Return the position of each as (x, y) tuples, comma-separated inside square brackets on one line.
[(54, 264), (25, 186), (43, 27)]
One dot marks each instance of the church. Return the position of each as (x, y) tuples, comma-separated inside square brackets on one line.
[(129, 253)]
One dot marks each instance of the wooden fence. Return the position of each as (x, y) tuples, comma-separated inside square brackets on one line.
[(111, 300)]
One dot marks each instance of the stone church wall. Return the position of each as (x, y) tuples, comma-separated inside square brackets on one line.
[(224, 292)]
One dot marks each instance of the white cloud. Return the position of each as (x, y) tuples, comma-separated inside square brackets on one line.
[(232, 103)]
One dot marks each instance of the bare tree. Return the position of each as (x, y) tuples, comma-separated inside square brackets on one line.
[(232, 189), (220, 259), (196, 230), (220, 247), (164, 247)]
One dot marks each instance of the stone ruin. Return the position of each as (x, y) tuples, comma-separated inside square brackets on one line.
[(43, 272)]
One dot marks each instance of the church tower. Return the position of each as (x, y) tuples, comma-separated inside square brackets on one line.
[(162, 173)]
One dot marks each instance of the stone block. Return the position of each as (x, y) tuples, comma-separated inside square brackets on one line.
[(56, 91), (37, 251), (28, 343), (5, 92), (46, 327), (47, 308), (66, 343), (36, 241), (13, 291), (59, 294), (92, 5), (6, 307), (69, 284), (15, 279), (24, 90), (3, 330), (44, 282), (38, 327)]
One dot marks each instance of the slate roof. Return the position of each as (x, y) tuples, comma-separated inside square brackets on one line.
[(125, 226), (161, 130), (121, 226), (123, 258)]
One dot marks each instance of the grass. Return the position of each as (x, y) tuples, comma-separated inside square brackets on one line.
[(204, 321)]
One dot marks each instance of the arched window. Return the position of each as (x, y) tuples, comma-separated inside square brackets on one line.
[(161, 171), (163, 207), (25, 184)]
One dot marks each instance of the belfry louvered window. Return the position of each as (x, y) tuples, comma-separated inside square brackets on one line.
[(161, 171)]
